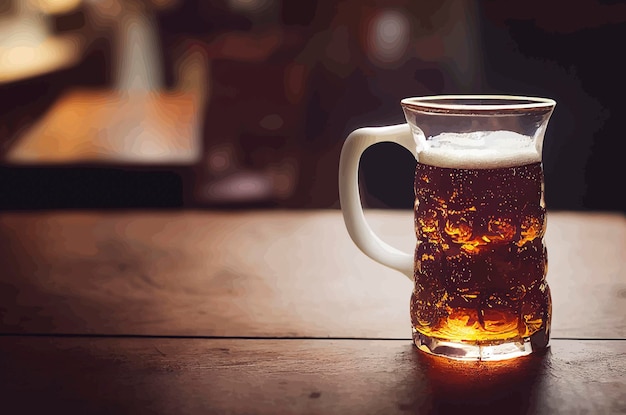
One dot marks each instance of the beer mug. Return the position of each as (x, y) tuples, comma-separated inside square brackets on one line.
[(480, 263)]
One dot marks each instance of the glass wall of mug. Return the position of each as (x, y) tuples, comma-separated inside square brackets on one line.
[(480, 263)]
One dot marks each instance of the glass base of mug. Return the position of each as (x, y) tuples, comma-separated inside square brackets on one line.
[(482, 351)]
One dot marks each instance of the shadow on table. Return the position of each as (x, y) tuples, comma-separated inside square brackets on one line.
[(510, 386)]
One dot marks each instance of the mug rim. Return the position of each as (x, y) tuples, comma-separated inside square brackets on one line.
[(475, 103)]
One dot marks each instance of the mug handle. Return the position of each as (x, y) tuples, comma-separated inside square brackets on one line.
[(350, 199)]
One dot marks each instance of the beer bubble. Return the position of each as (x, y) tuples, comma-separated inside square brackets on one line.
[(459, 229), (429, 264), (516, 292), (500, 230), (427, 307), (532, 227), (495, 299), (535, 309), (428, 223), (459, 270)]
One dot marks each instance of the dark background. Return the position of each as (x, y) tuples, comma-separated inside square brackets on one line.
[(311, 65)]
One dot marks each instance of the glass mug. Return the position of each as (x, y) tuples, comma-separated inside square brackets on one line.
[(480, 262)]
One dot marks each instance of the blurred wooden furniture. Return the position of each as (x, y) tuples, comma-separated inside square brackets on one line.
[(139, 146), (139, 143), (136, 139), (114, 127), (277, 311)]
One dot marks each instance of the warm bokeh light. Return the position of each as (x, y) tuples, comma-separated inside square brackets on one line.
[(250, 6), (57, 6), (388, 37), (28, 49), (21, 62)]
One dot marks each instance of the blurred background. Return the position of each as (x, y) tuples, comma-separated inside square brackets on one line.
[(245, 103)]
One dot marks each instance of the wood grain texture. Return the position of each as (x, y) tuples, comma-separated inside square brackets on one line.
[(186, 376), (114, 127), (263, 273)]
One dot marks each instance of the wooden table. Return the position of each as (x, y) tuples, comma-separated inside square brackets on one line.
[(277, 312), (114, 127)]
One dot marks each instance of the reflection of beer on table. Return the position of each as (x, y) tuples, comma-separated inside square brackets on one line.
[(480, 263)]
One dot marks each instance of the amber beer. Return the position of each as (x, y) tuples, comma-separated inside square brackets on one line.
[(480, 261)]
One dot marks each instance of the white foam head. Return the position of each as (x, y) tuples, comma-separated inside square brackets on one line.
[(479, 150)]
